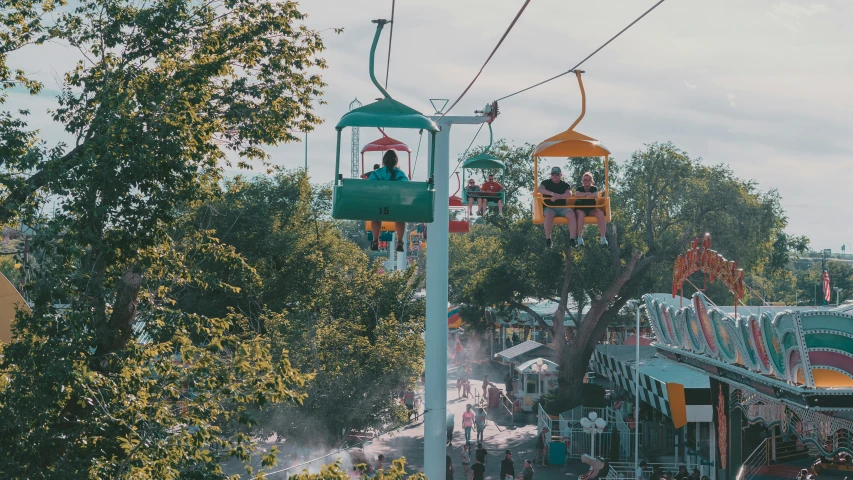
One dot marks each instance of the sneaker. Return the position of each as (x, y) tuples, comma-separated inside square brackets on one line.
[(374, 246), (399, 246), (573, 243), (603, 241), (547, 243), (580, 241)]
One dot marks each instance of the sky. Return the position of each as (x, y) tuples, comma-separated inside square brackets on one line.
[(764, 86)]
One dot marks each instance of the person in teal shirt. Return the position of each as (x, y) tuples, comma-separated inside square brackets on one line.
[(388, 172)]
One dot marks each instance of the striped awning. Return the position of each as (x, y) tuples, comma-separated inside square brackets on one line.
[(676, 391)]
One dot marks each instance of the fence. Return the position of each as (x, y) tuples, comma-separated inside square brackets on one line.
[(625, 470), (757, 459), (626, 436)]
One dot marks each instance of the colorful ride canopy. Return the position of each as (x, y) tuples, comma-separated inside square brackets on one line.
[(812, 349), (570, 144), (395, 201)]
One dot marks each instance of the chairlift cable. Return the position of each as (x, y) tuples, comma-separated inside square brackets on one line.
[(466, 150), (514, 20), (390, 37), (588, 56), (418, 153)]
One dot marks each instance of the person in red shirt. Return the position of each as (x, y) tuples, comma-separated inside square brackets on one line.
[(491, 187)]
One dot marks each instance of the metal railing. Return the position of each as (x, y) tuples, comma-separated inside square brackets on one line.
[(508, 405), (757, 459), (626, 436), (626, 469)]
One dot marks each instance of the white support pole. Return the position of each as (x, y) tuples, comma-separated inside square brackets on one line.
[(435, 390), (436, 317), (637, 391)]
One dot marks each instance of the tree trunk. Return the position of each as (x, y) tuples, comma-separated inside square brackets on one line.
[(573, 367)]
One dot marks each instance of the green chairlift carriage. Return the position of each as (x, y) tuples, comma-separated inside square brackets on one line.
[(485, 161), (357, 199)]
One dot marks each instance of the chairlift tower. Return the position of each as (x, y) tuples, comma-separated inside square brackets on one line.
[(355, 144)]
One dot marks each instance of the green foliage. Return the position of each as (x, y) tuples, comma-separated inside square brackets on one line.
[(320, 301), (121, 381), (661, 199), (809, 283)]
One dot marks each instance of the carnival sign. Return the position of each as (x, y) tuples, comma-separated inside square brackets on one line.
[(700, 258)]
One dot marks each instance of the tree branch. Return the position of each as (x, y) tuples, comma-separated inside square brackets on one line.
[(532, 313)]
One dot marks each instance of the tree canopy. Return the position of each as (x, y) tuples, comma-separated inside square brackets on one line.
[(661, 200)]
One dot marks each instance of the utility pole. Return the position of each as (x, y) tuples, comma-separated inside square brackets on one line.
[(435, 390)]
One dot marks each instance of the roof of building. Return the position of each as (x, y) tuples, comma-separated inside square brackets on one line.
[(660, 369), (522, 349)]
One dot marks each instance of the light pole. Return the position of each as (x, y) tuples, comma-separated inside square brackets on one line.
[(636, 305), (593, 424)]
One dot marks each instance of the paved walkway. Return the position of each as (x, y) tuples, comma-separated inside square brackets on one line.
[(501, 433)]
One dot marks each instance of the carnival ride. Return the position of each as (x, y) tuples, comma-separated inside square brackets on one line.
[(487, 163), (360, 199), (383, 144), (571, 144)]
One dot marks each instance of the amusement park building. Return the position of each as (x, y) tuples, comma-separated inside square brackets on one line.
[(785, 373)]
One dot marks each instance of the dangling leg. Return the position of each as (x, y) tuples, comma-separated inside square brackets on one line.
[(602, 225), (470, 205), (549, 226), (573, 230), (375, 226), (400, 227), (580, 218), (481, 204), (500, 207)]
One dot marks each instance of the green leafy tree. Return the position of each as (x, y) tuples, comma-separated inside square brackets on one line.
[(121, 383), (318, 298), (662, 200)]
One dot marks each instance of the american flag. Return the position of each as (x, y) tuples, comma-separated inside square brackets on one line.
[(826, 291)]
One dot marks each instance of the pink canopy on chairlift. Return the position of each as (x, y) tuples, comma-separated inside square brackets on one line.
[(384, 144)]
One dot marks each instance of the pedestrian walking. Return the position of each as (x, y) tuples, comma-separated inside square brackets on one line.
[(481, 453), (485, 385), (542, 446), (507, 467), (468, 422), (459, 387), (449, 469), (508, 384), (451, 418), (480, 423), (639, 475), (527, 473), (478, 470), (466, 459), (466, 387)]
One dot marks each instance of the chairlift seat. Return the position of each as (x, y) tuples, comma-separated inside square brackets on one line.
[(602, 203), (356, 199)]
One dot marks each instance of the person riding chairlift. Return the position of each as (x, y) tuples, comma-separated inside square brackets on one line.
[(490, 188), (392, 173)]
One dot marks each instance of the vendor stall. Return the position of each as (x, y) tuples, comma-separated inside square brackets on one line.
[(538, 377)]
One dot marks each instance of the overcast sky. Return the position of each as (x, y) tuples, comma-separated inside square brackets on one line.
[(764, 86)]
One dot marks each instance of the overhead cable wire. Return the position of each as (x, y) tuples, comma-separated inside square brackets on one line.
[(517, 16), (614, 37), (390, 37), (466, 150), (418, 153)]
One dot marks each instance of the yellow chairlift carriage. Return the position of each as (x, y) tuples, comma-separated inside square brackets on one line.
[(571, 144)]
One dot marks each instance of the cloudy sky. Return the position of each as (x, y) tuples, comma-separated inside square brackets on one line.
[(765, 86)]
